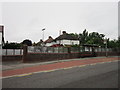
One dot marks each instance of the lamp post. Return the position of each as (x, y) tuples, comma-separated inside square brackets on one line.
[(79, 42), (105, 42), (43, 33)]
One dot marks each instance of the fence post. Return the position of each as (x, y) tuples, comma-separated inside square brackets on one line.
[(25, 51), (93, 51), (62, 49), (6, 51), (13, 51), (20, 51), (69, 50), (46, 49), (53, 49), (101, 50), (58, 49)]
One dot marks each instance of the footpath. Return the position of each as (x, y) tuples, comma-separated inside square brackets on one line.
[(10, 69)]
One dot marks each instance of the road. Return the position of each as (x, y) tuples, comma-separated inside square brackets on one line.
[(103, 75)]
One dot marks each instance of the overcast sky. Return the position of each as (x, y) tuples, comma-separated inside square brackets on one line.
[(25, 20)]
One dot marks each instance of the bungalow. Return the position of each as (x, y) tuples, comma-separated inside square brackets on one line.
[(66, 39)]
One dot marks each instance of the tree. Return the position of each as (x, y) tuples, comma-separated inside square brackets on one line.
[(95, 38), (114, 43), (83, 36), (12, 45), (27, 42), (40, 43), (91, 38), (34, 44), (118, 42), (74, 34)]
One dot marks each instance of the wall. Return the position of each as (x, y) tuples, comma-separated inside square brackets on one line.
[(74, 42), (12, 58), (50, 44), (68, 42), (50, 56), (108, 53), (59, 56)]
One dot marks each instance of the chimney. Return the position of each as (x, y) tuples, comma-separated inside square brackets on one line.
[(64, 32), (41, 40), (50, 37)]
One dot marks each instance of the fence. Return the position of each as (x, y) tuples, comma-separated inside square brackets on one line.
[(12, 51), (37, 49), (36, 53)]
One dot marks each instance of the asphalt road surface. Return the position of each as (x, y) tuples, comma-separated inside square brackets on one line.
[(92, 76)]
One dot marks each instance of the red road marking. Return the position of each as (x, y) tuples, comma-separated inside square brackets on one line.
[(55, 66)]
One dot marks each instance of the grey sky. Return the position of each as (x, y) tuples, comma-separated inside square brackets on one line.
[(26, 20)]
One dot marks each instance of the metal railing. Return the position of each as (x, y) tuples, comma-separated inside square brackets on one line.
[(12, 51), (38, 49)]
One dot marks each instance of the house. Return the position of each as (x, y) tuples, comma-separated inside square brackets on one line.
[(62, 40), (49, 41), (40, 43), (66, 39)]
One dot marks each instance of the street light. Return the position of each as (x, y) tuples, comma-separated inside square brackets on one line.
[(105, 42), (43, 33)]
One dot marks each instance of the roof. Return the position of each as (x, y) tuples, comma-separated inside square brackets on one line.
[(57, 45), (67, 37), (49, 40)]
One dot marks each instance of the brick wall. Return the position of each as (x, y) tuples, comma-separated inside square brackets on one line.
[(50, 56), (108, 53), (12, 58)]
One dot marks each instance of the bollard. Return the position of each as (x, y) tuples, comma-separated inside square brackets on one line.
[(24, 59)]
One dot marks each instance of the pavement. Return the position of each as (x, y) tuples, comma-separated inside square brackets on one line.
[(10, 69), (18, 64)]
